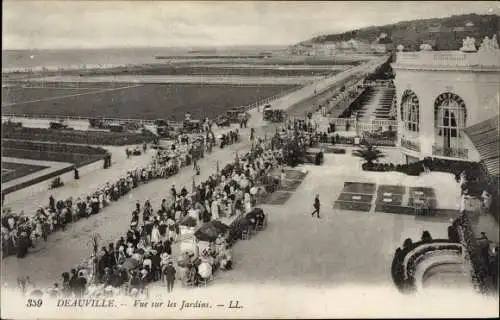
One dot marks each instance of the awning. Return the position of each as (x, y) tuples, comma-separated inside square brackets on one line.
[(484, 136)]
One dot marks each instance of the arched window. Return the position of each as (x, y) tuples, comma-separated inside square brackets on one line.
[(410, 113), (450, 117)]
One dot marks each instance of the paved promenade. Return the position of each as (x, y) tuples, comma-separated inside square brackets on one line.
[(64, 250), (52, 166)]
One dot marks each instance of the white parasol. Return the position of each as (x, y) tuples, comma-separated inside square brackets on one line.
[(205, 270)]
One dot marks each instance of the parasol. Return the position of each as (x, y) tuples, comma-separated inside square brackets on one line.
[(130, 264), (205, 270), (188, 221), (221, 227), (207, 232)]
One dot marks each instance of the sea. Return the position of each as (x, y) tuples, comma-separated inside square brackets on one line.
[(71, 58)]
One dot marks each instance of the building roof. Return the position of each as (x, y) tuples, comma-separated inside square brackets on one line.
[(484, 136)]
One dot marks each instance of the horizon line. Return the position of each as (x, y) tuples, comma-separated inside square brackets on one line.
[(153, 47)]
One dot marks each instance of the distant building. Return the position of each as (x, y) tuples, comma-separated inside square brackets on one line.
[(325, 49), (382, 44), (435, 28)]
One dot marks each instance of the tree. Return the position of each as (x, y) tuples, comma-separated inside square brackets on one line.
[(369, 153)]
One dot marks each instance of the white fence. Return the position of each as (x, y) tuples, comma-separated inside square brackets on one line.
[(374, 125)]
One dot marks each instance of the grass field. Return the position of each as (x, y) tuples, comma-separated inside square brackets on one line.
[(11, 171), (20, 94), (146, 101), (290, 60)]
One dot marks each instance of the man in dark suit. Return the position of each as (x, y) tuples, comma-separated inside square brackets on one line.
[(316, 206), (170, 276)]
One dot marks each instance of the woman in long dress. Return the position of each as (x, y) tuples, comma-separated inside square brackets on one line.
[(215, 210), (155, 233), (247, 203)]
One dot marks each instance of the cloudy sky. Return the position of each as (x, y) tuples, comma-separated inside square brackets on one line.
[(97, 24)]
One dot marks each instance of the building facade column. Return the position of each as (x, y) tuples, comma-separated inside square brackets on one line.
[(427, 132)]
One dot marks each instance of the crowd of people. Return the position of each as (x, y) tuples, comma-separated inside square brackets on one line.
[(21, 232), (144, 254)]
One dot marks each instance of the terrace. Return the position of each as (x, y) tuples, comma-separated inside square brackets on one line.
[(442, 60)]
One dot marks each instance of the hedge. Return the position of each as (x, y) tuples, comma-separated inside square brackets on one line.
[(77, 136)]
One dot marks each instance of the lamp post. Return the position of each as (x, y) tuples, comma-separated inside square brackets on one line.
[(94, 241)]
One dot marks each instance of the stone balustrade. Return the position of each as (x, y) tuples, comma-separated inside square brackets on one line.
[(449, 59)]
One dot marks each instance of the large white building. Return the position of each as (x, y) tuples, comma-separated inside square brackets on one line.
[(440, 94)]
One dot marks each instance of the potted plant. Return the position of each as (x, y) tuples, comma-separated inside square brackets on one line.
[(369, 153)]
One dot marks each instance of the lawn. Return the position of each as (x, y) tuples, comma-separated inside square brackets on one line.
[(11, 170), (151, 101), (20, 94)]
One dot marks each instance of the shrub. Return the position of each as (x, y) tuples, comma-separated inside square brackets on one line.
[(338, 150), (368, 152)]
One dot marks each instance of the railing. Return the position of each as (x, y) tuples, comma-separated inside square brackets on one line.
[(414, 256), (410, 145), (380, 83), (73, 118), (372, 125), (447, 59), (450, 152)]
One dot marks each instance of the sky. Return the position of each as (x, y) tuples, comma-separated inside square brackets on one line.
[(100, 24)]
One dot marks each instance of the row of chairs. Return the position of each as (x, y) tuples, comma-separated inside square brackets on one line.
[(248, 232)]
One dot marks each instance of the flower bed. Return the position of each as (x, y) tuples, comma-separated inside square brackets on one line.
[(79, 155), (434, 164), (52, 147), (81, 137)]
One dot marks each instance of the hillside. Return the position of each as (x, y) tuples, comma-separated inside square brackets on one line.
[(441, 33)]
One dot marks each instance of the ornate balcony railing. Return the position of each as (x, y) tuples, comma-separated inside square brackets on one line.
[(448, 59), (410, 145), (450, 152)]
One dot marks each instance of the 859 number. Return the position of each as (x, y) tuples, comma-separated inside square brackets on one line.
[(34, 303)]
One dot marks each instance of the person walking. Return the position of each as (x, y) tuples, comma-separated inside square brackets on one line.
[(316, 206), (169, 272)]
